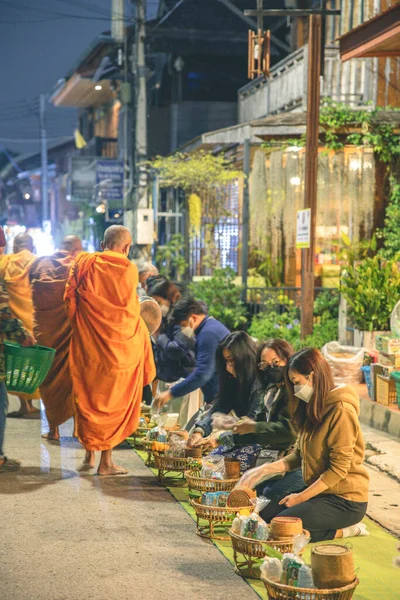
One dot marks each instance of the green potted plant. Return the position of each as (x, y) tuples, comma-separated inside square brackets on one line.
[(372, 289)]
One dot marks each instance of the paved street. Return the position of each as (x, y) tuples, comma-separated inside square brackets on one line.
[(106, 539), (70, 536)]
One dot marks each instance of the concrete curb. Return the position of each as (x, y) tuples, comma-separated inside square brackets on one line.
[(379, 417)]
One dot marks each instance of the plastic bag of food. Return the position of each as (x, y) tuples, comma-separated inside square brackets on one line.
[(300, 541), (213, 467), (254, 527), (169, 420), (271, 569), (223, 422), (292, 562), (215, 498), (157, 434), (237, 524), (177, 447), (345, 362)]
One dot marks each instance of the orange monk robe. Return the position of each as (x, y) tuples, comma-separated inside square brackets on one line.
[(14, 269), (111, 358), (49, 276)]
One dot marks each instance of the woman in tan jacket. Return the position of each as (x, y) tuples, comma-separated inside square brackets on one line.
[(330, 450)]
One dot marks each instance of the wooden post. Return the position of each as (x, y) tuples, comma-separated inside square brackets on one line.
[(310, 187), (245, 215)]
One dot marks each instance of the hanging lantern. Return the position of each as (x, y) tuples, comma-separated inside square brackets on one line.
[(259, 54)]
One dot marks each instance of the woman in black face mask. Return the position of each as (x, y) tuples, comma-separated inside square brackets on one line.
[(273, 427)]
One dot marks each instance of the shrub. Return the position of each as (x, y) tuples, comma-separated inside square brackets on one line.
[(222, 297), (372, 289)]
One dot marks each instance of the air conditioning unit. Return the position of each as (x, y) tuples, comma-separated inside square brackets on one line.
[(145, 226)]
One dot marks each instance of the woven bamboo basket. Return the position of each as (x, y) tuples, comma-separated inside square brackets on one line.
[(194, 452), (248, 553), (217, 519), (283, 528), (200, 484), (168, 464), (279, 591), (148, 445)]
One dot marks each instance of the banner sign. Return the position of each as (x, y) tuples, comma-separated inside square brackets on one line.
[(95, 180)]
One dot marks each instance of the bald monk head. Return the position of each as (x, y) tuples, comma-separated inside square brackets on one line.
[(150, 313), (72, 244), (118, 239), (23, 241)]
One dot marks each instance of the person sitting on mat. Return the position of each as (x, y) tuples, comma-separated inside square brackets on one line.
[(252, 385), (273, 427), (330, 450)]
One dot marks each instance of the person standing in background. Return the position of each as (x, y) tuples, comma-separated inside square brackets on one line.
[(49, 275), (14, 271), (10, 329)]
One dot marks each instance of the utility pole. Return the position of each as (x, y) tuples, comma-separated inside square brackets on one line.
[(43, 142), (140, 114), (311, 172), (316, 47)]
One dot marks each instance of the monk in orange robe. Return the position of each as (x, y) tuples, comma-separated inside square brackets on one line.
[(111, 359), (49, 275), (14, 270)]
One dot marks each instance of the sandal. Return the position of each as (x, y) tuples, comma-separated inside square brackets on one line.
[(9, 464)]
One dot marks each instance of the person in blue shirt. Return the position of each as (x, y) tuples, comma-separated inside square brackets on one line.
[(191, 316)]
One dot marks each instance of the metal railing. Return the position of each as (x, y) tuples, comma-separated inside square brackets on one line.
[(278, 298), (353, 82)]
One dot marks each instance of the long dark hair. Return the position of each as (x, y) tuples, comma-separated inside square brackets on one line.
[(234, 393), (164, 288), (307, 416), (282, 348)]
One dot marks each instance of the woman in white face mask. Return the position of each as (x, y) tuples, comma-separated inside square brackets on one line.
[(330, 451)]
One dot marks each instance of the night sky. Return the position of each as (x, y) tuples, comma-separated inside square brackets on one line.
[(39, 42)]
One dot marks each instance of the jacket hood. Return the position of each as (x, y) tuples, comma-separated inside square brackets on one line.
[(344, 393), (15, 268)]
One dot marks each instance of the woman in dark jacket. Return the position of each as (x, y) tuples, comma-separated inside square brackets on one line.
[(273, 427), (265, 429)]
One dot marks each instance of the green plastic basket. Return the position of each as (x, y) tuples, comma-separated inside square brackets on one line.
[(396, 376), (26, 368)]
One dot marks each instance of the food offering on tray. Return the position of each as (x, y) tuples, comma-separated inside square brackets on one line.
[(291, 569), (144, 421), (213, 467), (177, 446), (254, 527), (214, 498), (157, 434), (159, 447)]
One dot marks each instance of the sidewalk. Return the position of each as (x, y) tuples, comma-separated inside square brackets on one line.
[(71, 536)]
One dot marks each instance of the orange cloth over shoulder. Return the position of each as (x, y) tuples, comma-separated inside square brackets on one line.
[(111, 358), (49, 276), (14, 269)]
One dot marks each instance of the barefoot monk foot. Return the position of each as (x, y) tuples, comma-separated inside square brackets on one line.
[(53, 435), (107, 467)]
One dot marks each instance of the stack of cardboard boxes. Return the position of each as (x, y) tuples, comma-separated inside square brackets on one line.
[(388, 362)]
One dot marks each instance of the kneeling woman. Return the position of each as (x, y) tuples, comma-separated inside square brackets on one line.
[(254, 394), (330, 451)]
